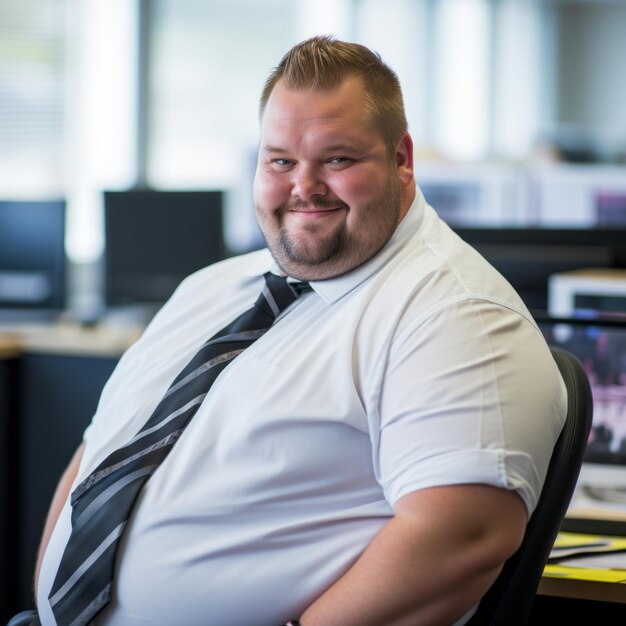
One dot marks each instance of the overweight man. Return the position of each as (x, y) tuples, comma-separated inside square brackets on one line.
[(366, 454)]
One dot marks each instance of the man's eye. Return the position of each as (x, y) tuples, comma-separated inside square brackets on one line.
[(339, 160), (282, 162)]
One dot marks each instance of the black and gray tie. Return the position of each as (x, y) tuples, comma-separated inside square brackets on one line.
[(102, 503)]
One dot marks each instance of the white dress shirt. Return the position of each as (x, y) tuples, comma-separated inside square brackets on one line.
[(420, 368)]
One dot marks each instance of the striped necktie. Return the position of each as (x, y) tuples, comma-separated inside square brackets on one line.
[(101, 504)]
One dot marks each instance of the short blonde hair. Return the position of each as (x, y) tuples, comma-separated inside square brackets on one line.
[(323, 62)]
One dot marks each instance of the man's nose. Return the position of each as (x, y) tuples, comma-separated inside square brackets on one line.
[(307, 183)]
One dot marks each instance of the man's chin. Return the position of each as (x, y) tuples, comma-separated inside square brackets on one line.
[(313, 267), (302, 267), (310, 250)]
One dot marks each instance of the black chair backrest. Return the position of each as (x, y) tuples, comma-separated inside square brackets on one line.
[(509, 601)]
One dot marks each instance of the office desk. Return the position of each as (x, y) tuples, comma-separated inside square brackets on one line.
[(576, 600), (67, 338), (10, 345), (598, 591), (580, 592), (9, 351), (51, 377)]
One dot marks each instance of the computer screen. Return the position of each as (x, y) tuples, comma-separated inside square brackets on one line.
[(600, 345), (32, 258), (154, 239), (611, 208), (527, 257), (457, 204)]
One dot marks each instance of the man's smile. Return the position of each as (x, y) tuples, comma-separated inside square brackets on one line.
[(315, 212)]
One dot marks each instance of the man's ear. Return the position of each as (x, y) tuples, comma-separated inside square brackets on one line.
[(404, 160)]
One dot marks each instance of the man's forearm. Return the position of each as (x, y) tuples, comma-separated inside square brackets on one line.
[(56, 506), (423, 569), (389, 586)]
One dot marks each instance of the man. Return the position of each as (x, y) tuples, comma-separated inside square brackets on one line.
[(374, 457)]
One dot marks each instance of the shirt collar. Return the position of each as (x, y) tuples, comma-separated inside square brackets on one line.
[(332, 289)]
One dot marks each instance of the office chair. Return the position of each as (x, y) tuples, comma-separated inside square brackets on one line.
[(509, 601)]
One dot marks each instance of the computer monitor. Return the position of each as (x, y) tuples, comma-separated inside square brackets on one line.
[(32, 259), (611, 208), (154, 239), (457, 204), (527, 257), (600, 345)]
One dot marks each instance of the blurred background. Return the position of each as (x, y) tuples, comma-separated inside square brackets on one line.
[(515, 106), (128, 140)]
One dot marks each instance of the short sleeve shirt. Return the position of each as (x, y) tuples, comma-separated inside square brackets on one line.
[(420, 368)]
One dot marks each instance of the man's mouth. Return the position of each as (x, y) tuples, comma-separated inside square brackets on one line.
[(316, 208)]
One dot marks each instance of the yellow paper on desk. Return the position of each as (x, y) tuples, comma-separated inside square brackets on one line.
[(572, 543), (576, 539), (586, 573), (589, 557)]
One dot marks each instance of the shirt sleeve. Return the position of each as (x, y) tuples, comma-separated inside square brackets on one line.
[(470, 395)]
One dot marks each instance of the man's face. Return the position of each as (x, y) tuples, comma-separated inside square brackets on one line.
[(326, 192)]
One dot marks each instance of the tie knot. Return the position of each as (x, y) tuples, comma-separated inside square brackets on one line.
[(278, 294), (300, 287)]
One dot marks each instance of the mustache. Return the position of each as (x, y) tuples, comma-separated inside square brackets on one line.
[(314, 203)]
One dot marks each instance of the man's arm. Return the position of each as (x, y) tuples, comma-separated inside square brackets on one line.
[(430, 563), (58, 500)]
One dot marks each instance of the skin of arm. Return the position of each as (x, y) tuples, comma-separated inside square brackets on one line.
[(430, 563), (58, 500)]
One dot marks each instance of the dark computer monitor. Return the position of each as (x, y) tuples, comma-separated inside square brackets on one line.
[(527, 257), (600, 344), (154, 239), (32, 259)]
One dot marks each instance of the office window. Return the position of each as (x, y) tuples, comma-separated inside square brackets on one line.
[(101, 112), (208, 63), (519, 58), (67, 106), (32, 84), (401, 31), (461, 82)]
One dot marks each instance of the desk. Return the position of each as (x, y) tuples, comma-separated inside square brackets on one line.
[(10, 345), (599, 591), (51, 377), (67, 338), (579, 601), (560, 581), (9, 351)]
